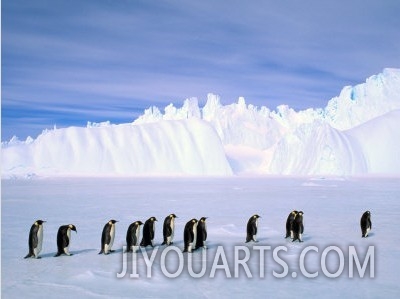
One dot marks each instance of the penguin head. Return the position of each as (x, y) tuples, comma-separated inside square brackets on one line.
[(193, 220), (112, 221), (294, 212), (255, 216), (152, 219), (172, 216), (139, 223), (39, 222), (203, 219), (300, 213), (72, 227)]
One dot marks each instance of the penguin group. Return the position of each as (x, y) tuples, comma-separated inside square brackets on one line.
[(194, 234), (36, 239), (295, 226)]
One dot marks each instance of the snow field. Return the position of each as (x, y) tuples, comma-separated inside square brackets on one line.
[(332, 210)]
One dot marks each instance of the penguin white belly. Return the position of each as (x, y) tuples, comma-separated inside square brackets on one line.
[(255, 235), (204, 241), (112, 234), (137, 235), (368, 229), (171, 237), (193, 244), (107, 247), (66, 249), (154, 232), (135, 247), (38, 248)]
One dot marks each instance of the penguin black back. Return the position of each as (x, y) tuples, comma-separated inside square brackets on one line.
[(252, 228), (63, 239), (190, 235), (35, 239), (298, 227), (289, 224), (365, 223), (132, 235), (201, 233), (148, 232), (168, 229)]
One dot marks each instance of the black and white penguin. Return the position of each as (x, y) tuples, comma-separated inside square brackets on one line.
[(289, 224), (252, 226), (366, 224), (107, 237), (35, 239), (298, 227), (190, 235), (168, 229), (149, 228), (133, 236), (201, 233), (63, 239)]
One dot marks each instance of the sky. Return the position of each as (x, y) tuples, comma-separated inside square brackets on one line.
[(65, 63)]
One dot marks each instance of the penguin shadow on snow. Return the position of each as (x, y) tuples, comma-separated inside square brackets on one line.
[(370, 234), (75, 252), (113, 251)]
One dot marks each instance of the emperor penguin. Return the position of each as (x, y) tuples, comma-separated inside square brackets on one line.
[(107, 237), (149, 228), (252, 226), (298, 227), (168, 229), (35, 239), (289, 224), (201, 233), (63, 239), (190, 235), (133, 236), (366, 224)]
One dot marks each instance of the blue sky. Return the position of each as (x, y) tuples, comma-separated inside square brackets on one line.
[(68, 62)]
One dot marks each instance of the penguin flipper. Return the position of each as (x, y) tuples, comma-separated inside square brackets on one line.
[(167, 231)]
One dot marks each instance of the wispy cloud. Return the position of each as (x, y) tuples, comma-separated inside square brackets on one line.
[(112, 57)]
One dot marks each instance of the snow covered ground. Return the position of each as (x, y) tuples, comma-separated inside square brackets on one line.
[(332, 209)]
